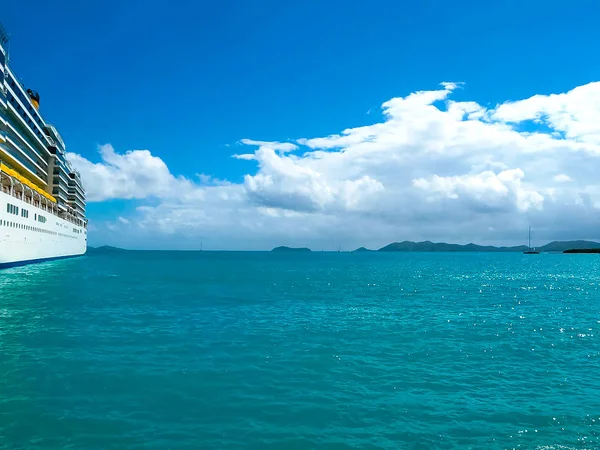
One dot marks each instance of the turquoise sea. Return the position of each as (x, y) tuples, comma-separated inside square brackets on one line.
[(176, 350)]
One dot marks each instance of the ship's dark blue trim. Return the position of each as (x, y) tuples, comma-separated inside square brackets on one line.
[(34, 261)]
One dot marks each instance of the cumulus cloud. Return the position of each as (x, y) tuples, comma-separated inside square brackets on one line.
[(562, 178), (574, 113), (287, 182), (485, 190), (133, 175), (432, 168)]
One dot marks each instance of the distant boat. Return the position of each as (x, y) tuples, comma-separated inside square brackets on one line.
[(531, 250)]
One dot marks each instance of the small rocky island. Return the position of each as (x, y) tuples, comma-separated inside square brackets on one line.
[(104, 249), (284, 249), (583, 250)]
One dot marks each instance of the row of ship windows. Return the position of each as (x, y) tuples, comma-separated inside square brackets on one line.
[(32, 155), (12, 209), (31, 109), (27, 151), (21, 226), (75, 230)]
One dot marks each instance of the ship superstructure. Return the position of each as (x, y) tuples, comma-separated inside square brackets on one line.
[(42, 199)]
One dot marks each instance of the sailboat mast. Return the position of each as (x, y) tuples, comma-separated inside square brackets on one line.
[(529, 236)]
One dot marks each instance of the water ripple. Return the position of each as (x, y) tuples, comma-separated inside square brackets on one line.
[(328, 351)]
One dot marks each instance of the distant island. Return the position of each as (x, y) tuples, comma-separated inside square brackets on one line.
[(428, 246), (105, 249), (284, 249), (362, 250), (583, 250)]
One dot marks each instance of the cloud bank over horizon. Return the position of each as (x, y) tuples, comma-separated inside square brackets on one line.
[(431, 169)]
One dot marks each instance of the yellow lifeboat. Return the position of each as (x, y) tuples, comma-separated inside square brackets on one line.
[(13, 173)]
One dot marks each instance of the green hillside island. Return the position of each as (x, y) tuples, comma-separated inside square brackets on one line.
[(284, 249), (428, 246), (105, 249)]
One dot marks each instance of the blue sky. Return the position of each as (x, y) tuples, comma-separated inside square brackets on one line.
[(189, 82)]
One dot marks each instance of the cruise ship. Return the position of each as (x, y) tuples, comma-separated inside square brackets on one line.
[(42, 200)]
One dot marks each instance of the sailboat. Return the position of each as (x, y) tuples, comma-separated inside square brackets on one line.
[(530, 250)]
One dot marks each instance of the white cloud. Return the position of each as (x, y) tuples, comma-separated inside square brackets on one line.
[(433, 168), (487, 189), (133, 175), (280, 146), (574, 113), (286, 182), (562, 178)]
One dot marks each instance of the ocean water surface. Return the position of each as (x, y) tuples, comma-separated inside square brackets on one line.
[(176, 350)]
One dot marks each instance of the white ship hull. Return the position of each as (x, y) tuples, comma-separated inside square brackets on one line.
[(26, 240)]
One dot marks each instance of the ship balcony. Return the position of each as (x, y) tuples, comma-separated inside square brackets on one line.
[(13, 187), (52, 147), (63, 177), (28, 116), (76, 188), (76, 201), (61, 195), (77, 194)]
